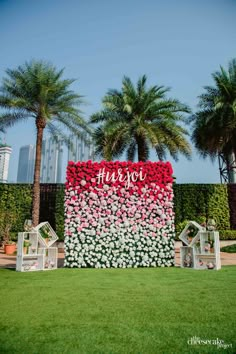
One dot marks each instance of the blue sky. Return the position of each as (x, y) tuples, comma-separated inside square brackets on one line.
[(175, 43)]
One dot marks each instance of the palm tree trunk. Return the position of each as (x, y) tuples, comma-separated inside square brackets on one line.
[(142, 154), (231, 159), (40, 124)]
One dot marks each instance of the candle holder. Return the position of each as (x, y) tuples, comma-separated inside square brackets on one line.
[(28, 226), (211, 224)]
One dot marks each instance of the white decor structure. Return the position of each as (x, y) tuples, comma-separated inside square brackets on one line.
[(34, 252), (202, 251), (47, 235), (192, 226)]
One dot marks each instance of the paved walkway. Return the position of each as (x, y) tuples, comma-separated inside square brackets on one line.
[(7, 261), (226, 258)]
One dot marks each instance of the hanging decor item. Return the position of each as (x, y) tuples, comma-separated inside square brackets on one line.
[(119, 214)]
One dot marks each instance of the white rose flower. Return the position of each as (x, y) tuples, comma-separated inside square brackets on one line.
[(104, 258), (82, 182), (145, 258), (92, 195), (112, 245)]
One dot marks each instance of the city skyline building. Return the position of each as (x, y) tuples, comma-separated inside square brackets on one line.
[(51, 163), (5, 153), (81, 149), (54, 158), (25, 172)]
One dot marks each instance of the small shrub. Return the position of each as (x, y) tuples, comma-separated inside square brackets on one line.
[(227, 234), (229, 249)]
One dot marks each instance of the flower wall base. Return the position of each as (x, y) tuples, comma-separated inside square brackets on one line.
[(119, 214)]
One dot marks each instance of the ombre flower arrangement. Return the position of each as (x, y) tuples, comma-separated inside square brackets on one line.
[(119, 214)]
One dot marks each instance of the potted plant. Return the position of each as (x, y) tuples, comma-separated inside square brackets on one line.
[(211, 246), (9, 247), (44, 232), (26, 246), (7, 219)]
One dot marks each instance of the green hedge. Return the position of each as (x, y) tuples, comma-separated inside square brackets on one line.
[(191, 202), (18, 199), (227, 234), (59, 212), (201, 201)]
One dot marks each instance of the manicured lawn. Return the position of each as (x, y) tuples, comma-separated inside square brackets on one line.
[(117, 310)]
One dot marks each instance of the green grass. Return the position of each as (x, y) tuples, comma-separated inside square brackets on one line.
[(154, 310), (229, 249)]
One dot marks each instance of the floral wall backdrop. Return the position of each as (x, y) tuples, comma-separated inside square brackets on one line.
[(119, 214)]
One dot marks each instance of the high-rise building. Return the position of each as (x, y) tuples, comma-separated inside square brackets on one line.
[(81, 149), (53, 161), (51, 164), (25, 173), (5, 153)]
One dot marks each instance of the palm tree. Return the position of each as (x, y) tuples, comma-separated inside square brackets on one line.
[(36, 90), (214, 130), (137, 119)]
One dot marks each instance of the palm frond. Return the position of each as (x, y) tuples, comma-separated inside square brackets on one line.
[(215, 123), (131, 151), (137, 118), (8, 120)]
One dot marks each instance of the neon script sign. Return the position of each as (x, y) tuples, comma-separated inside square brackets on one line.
[(121, 176)]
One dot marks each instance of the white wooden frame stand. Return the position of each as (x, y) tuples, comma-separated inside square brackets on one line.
[(39, 255), (203, 251)]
